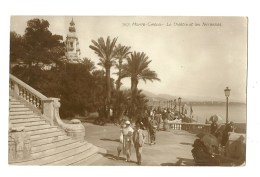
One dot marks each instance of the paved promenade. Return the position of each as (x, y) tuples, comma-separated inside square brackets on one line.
[(171, 148)]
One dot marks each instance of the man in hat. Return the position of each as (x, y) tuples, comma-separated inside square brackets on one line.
[(138, 139), (127, 133), (213, 127), (228, 128)]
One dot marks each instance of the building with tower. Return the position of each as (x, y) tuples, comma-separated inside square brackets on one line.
[(72, 53)]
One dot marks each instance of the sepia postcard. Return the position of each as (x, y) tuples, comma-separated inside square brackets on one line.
[(128, 91)]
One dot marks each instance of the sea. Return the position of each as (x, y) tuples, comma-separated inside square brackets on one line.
[(236, 113)]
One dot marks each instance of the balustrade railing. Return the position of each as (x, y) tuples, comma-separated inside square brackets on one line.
[(26, 92), (49, 107), (193, 127)]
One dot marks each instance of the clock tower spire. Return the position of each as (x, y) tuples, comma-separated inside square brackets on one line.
[(73, 53)]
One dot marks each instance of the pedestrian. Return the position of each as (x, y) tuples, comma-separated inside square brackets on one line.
[(158, 118), (165, 118), (213, 127), (138, 140), (152, 131), (126, 136), (228, 128)]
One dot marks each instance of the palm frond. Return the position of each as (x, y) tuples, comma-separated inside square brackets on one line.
[(104, 50), (137, 68)]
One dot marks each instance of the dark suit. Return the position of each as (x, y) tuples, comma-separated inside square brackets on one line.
[(138, 139)]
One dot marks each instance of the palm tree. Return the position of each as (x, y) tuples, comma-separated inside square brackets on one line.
[(137, 68), (106, 53), (122, 53), (89, 64)]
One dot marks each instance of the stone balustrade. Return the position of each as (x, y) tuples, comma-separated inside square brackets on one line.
[(29, 94), (74, 129), (49, 107), (192, 127)]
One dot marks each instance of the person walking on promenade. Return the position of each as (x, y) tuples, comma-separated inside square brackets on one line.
[(127, 132), (138, 140), (165, 118), (213, 127), (228, 128), (158, 119), (152, 131)]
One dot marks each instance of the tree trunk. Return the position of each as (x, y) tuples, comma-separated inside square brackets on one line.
[(118, 82), (108, 93), (134, 83)]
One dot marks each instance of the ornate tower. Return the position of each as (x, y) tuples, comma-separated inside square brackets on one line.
[(72, 45)]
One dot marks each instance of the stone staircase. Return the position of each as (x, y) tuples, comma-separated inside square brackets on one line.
[(50, 145)]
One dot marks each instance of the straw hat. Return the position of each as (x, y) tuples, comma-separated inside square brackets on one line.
[(127, 122)]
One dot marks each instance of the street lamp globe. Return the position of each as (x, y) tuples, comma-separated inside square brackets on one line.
[(179, 99), (227, 92)]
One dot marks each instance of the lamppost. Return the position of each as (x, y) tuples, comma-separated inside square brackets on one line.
[(227, 93), (179, 100)]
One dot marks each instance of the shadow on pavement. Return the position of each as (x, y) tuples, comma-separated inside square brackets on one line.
[(106, 139), (114, 157), (184, 143), (180, 162)]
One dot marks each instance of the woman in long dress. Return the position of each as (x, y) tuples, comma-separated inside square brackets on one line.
[(126, 140)]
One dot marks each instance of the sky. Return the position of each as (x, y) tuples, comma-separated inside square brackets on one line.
[(193, 59)]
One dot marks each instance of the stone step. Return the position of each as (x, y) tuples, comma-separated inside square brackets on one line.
[(37, 127), (42, 130), (16, 121), (56, 156), (73, 160), (21, 113), (58, 149), (71, 156), (19, 109), (15, 102), (17, 106), (46, 140), (52, 145), (22, 116), (55, 133), (46, 132), (89, 157), (12, 98), (28, 124)]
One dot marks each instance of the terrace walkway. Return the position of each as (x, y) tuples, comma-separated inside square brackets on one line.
[(171, 148)]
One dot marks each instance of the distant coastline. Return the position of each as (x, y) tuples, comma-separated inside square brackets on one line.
[(214, 103)]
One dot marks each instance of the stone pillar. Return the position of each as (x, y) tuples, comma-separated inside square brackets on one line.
[(48, 109), (166, 125), (76, 130), (19, 144), (16, 88)]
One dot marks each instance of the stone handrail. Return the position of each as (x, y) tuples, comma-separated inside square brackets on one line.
[(26, 86), (193, 127), (75, 129), (27, 93), (49, 107)]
